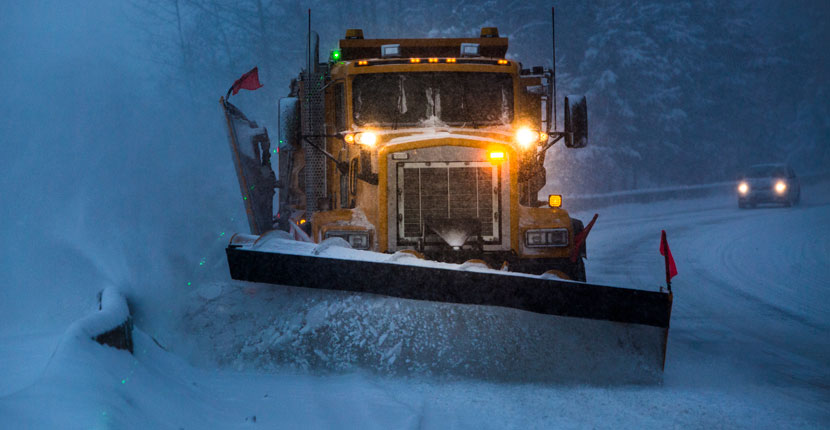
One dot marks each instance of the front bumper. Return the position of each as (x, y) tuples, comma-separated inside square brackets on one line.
[(533, 266), (765, 196)]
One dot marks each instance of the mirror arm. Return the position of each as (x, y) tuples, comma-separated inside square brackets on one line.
[(369, 178), (555, 136), (333, 81), (342, 166)]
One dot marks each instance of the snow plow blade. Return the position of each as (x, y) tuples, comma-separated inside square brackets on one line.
[(533, 294), (614, 322), (251, 151)]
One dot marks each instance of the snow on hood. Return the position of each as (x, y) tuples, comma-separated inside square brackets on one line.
[(441, 134)]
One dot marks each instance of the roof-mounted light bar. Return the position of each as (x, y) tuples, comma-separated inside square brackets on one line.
[(431, 60)]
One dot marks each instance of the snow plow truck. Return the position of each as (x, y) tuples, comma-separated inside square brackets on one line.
[(426, 157)]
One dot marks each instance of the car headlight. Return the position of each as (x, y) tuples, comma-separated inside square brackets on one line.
[(357, 239), (780, 187), (743, 188), (546, 237)]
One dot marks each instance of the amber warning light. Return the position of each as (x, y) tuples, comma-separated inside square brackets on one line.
[(555, 200)]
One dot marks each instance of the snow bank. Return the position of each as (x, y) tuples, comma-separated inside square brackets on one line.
[(111, 325), (89, 386), (259, 327)]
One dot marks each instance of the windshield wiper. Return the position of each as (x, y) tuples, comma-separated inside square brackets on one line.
[(401, 105)]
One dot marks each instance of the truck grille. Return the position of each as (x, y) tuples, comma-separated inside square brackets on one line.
[(447, 191)]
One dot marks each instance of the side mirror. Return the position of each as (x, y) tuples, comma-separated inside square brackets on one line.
[(576, 121)]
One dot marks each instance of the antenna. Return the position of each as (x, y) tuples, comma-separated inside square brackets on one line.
[(553, 37), (308, 45)]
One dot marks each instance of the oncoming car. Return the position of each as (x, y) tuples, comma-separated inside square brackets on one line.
[(768, 183)]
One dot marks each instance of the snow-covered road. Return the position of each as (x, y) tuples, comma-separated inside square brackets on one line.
[(754, 285), (748, 348)]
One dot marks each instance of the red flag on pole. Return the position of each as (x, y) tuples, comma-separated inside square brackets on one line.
[(671, 269), (580, 239), (248, 81)]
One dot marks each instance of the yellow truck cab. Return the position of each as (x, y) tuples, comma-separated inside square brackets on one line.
[(430, 146)]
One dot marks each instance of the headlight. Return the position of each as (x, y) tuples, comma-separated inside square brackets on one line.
[(780, 187), (357, 239), (366, 138), (743, 188), (526, 137), (547, 237)]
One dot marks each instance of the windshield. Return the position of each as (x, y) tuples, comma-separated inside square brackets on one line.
[(766, 171), (454, 98)]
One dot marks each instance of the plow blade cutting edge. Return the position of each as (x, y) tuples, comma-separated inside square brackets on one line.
[(613, 334)]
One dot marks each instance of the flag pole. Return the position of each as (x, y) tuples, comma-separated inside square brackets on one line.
[(666, 261), (553, 37)]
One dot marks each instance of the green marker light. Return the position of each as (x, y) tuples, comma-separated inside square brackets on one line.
[(335, 55)]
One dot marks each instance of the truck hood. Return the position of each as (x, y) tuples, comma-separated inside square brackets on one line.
[(489, 136)]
